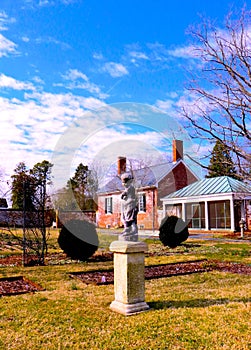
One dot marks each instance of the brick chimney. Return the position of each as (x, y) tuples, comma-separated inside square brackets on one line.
[(121, 165), (177, 150)]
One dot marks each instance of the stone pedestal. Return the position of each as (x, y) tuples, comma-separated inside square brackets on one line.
[(129, 277)]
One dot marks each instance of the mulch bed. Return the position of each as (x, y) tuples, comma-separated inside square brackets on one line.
[(157, 271), (54, 259), (231, 267), (166, 270), (17, 285)]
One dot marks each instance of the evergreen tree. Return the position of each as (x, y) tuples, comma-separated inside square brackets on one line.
[(78, 184), (221, 163), (63, 199), (29, 186), (41, 174), (79, 191), (23, 188)]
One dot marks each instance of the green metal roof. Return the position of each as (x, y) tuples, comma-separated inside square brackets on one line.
[(214, 185)]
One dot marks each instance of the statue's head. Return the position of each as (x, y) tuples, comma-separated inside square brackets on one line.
[(126, 179)]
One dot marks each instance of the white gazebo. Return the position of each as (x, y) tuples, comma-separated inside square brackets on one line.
[(210, 204)]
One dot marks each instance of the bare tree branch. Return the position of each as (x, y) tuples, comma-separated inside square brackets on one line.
[(221, 91)]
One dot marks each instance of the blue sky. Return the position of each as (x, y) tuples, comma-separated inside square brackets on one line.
[(62, 60)]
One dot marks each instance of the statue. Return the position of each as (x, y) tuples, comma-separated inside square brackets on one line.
[(130, 209)]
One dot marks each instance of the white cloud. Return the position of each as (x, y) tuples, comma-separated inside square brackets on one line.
[(107, 144), (198, 106), (11, 83), (116, 70), (169, 105), (166, 105), (6, 46), (25, 39), (138, 55), (159, 52), (218, 39), (31, 128), (68, 103), (79, 80), (4, 20), (45, 2), (50, 40), (98, 56), (38, 80), (74, 74), (68, 2), (183, 52)]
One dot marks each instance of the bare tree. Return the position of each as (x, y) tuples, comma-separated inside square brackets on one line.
[(219, 103)]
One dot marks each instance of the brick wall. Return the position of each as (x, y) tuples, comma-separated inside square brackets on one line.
[(66, 215), (15, 218), (148, 220), (113, 220), (107, 220), (179, 178)]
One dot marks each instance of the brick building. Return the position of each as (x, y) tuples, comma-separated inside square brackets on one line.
[(152, 184)]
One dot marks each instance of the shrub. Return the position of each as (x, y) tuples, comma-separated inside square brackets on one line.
[(173, 231), (78, 239)]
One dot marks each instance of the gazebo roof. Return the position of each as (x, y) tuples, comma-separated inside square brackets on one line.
[(210, 186)]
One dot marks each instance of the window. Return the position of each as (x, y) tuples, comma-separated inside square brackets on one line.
[(108, 205), (195, 215), (142, 202), (175, 209), (219, 214)]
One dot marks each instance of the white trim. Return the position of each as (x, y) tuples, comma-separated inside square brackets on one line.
[(206, 216), (141, 194), (206, 200), (232, 214), (109, 205), (183, 211), (211, 197)]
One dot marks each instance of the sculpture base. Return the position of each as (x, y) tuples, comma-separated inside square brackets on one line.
[(129, 238), (129, 309), (129, 277)]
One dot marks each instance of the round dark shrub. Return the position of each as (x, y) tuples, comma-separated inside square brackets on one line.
[(78, 239), (173, 231)]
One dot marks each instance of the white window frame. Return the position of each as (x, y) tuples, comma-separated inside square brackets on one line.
[(142, 202), (108, 205)]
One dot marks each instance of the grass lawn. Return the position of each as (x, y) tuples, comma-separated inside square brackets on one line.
[(209, 310)]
